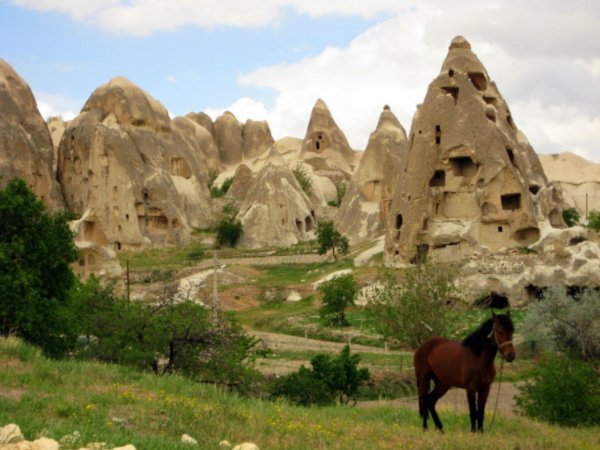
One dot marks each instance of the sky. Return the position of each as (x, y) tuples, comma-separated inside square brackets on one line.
[(272, 59)]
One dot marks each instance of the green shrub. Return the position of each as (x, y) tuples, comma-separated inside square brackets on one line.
[(594, 220), (341, 191), (229, 231), (338, 294), (571, 216), (302, 388), (331, 239), (304, 180), (563, 391)]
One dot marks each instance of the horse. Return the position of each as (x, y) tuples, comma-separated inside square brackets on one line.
[(468, 364)]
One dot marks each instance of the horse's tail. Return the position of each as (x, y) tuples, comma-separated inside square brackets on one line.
[(423, 376)]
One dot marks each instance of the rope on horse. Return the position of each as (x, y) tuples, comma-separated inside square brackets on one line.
[(497, 395)]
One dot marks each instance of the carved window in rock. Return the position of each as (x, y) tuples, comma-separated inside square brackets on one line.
[(527, 236), (308, 224), (463, 166), (511, 202), (399, 221), (534, 189), (438, 134), (438, 178), (180, 167), (511, 155), (299, 225), (319, 142), (478, 79), (451, 90)]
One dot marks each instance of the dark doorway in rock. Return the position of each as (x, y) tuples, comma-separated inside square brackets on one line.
[(510, 202), (494, 300), (438, 178), (463, 166)]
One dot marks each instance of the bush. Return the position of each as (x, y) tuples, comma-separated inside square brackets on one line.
[(328, 379), (594, 220), (563, 391), (571, 216), (338, 294), (229, 231), (412, 311), (304, 180), (341, 191)]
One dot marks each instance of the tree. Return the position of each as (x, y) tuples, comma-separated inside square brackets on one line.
[(229, 231), (36, 249), (338, 293), (304, 180), (329, 238), (594, 220), (412, 311), (571, 216)]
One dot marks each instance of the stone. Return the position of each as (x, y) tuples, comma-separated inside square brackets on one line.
[(122, 157), (188, 440), (26, 149), (200, 140), (467, 164), (11, 434), (125, 447), (325, 146), (246, 446), (257, 138), (46, 444), (276, 212), (228, 132), (241, 183), (224, 444), (364, 209), (203, 120)]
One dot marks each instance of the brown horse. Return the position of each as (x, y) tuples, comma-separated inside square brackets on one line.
[(468, 365)]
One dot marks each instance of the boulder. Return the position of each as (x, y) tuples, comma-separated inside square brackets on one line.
[(188, 440), (275, 212), (26, 149), (467, 164), (364, 209), (246, 446), (122, 157), (11, 434)]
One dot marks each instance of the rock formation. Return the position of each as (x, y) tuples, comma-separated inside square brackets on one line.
[(325, 146), (242, 181), (122, 157), (202, 119), (200, 140), (364, 209), (276, 212), (257, 138), (228, 132), (471, 177), (578, 178), (26, 148)]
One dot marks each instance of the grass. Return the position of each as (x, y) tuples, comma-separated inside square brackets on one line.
[(116, 405), (291, 274)]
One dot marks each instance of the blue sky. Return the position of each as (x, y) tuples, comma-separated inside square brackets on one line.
[(272, 59)]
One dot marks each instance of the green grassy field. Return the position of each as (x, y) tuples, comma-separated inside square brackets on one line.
[(116, 405)]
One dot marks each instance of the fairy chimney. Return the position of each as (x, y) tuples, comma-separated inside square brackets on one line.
[(471, 177), (26, 149), (364, 209)]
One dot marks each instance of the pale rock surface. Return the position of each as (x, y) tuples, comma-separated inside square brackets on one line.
[(325, 146), (188, 440), (467, 163), (242, 180), (122, 157), (275, 212), (257, 138), (228, 132), (202, 119), (578, 178), (246, 446), (26, 149), (200, 140), (10, 434), (365, 206)]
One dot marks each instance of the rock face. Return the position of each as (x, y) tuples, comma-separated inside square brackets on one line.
[(237, 142), (365, 207), (578, 178), (276, 212), (257, 138), (200, 140), (26, 149), (325, 146), (242, 181), (471, 177), (122, 157)]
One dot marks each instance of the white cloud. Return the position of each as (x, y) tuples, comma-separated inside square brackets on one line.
[(52, 105)]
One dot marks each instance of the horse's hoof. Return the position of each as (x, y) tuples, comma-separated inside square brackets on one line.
[(441, 430)]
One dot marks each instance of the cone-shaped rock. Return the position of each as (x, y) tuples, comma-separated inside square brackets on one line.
[(144, 181), (242, 181), (275, 212), (471, 177), (257, 138), (228, 132), (200, 139), (26, 150), (324, 139), (364, 209)]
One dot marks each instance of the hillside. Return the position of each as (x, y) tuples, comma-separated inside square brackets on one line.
[(116, 405)]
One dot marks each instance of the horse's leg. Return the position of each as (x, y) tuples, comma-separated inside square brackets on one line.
[(471, 394), (482, 395), (437, 393), (423, 387)]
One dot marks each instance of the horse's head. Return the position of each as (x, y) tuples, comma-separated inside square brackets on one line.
[(502, 333)]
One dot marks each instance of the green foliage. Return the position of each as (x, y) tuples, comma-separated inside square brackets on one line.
[(328, 378), (571, 216), (341, 191), (562, 323), (230, 210), (229, 231), (216, 191), (412, 311), (338, 293), (36, 248), (594, 220), (563, 391), (304, 180), (331, 239)]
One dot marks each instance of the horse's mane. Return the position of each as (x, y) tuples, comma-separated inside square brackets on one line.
[(477, 340)]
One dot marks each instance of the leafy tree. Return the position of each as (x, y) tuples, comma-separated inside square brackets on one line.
[(331, 239), (571, 216), (304, 180), (338, 293), (328, 378), (36, 248), (594, 220), (229, 231), (412, 311)]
